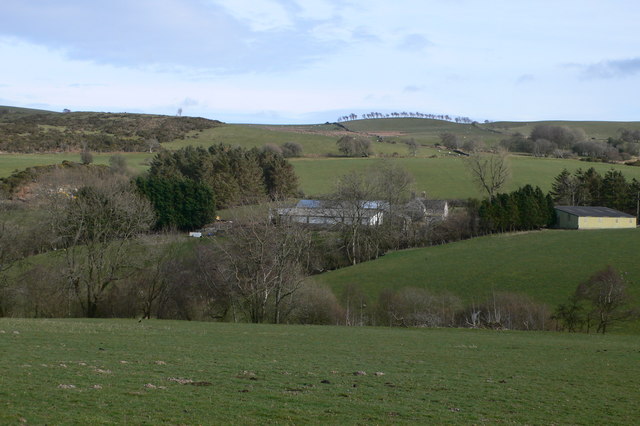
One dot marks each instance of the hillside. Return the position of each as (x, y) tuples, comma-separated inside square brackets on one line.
[(445, 176), (546, 265), (599, 130), (28, 131), (437, 172)]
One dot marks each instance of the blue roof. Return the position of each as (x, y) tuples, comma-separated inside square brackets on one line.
[(312, 204)]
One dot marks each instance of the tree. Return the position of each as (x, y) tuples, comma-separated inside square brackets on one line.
[(606, 292), (118, 164), (615, 190), (450, 140), (9, 254), (152, 280), (590, 187), (489, 172), (353, 146), (280, 180), (97, 228), (86, 157), (412, 146), (180, 203), (564, 189), (570, 315), (291, 149), (384, 188), (262, 264)]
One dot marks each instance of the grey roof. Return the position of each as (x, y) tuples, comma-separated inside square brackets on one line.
[(584, 211), (325, 204), (312, 204)]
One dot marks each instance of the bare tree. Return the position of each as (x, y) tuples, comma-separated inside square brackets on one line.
[(368, 202), (263, 264), (9, 254), (152, 280), (489, 172), (97, 227), (412, 146), (606, 291)]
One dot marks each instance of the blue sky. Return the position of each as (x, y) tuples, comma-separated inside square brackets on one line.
[(310, 61)]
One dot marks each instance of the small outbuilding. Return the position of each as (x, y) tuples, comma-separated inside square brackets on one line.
[(583, 217)]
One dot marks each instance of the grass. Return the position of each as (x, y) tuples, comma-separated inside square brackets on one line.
[(600, 130), (257, 374), (445, 176), (546, 265), (12, 162), (424, 131), (250, 136)]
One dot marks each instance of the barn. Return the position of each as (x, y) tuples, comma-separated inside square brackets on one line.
[(582, 217)]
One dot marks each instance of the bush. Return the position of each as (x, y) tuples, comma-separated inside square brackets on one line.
[(417, 307), (314, 304), (272, 148), (86, 157), (291, 149), (506, 311), (352, 146)]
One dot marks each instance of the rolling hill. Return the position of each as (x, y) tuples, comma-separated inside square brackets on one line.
[(546, 265)]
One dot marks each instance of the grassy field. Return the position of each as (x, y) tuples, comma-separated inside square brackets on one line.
[(600, 130), (445, 176), (424, 131), (315, 140), (12, 162), (546, 265), (166, 372)]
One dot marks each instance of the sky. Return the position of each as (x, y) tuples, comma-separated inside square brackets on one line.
[(312, 61)]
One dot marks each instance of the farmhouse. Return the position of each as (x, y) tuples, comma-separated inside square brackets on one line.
[(328, 213), (423, 210), (581, 217)]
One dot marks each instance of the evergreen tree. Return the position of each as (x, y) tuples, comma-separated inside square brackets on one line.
[(564, 189), (180, 203), (615, 190)]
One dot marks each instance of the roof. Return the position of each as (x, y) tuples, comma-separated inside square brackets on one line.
[(311, 204), (328, 204), (584, 211)]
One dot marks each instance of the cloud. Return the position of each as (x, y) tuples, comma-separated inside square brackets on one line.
[(167, 34), (613, 69), (525, 78), (413, 89), (82, 85), (414, 42), (187, 102)]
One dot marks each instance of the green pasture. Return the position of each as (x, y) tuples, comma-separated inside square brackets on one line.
[(600, 130), (424, 131), (445, 176), (169, 372), (439, 174), (13, 162), (250, 136), (546, 265)]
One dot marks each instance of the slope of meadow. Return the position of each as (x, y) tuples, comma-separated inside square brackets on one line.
[(546, 265), (170, 372), (445, 176), (599, 130)]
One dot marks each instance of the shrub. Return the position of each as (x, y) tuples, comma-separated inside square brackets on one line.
[(291, 149)]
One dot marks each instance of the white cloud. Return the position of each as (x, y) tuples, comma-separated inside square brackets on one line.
[(260, 15)]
